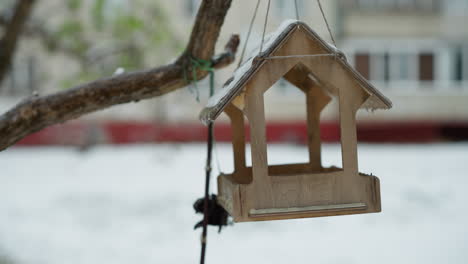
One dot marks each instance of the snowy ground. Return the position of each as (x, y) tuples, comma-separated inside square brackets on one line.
[(133, 204)]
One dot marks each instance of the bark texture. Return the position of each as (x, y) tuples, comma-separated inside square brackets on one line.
[(36, 113), (8, 42)]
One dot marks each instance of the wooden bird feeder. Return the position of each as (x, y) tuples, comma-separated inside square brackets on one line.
[(262, 192)]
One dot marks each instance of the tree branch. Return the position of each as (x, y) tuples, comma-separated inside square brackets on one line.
[(13, 29), (37, 113)]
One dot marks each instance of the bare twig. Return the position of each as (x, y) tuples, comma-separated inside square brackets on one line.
[(36, 29), (13, 29), (37, 113)]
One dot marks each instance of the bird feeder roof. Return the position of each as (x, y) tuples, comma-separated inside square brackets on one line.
[(236, 83)]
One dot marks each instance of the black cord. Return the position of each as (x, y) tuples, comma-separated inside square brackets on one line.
[(207, 187), (207, 180)]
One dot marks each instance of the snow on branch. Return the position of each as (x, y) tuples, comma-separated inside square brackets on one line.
[(36, 113)]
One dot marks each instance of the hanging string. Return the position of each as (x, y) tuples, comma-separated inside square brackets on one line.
[(207, 179), (297, 10), (215, 145), (248, 34), (326, 22), (197, 64), (204, 65), (265, 25)]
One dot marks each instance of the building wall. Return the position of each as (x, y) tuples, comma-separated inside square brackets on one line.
[(415, 54)]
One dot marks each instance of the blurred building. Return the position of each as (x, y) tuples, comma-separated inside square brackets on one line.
[(414, 51)]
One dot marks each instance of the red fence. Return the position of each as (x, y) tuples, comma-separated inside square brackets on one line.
[(80, 133)]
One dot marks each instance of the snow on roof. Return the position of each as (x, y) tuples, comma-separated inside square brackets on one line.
[(268, 43), (222, 97), (231, 88)]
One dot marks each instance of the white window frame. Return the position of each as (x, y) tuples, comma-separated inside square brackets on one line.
[(413, 47)]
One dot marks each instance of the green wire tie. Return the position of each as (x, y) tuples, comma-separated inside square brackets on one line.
[(203, 65)]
